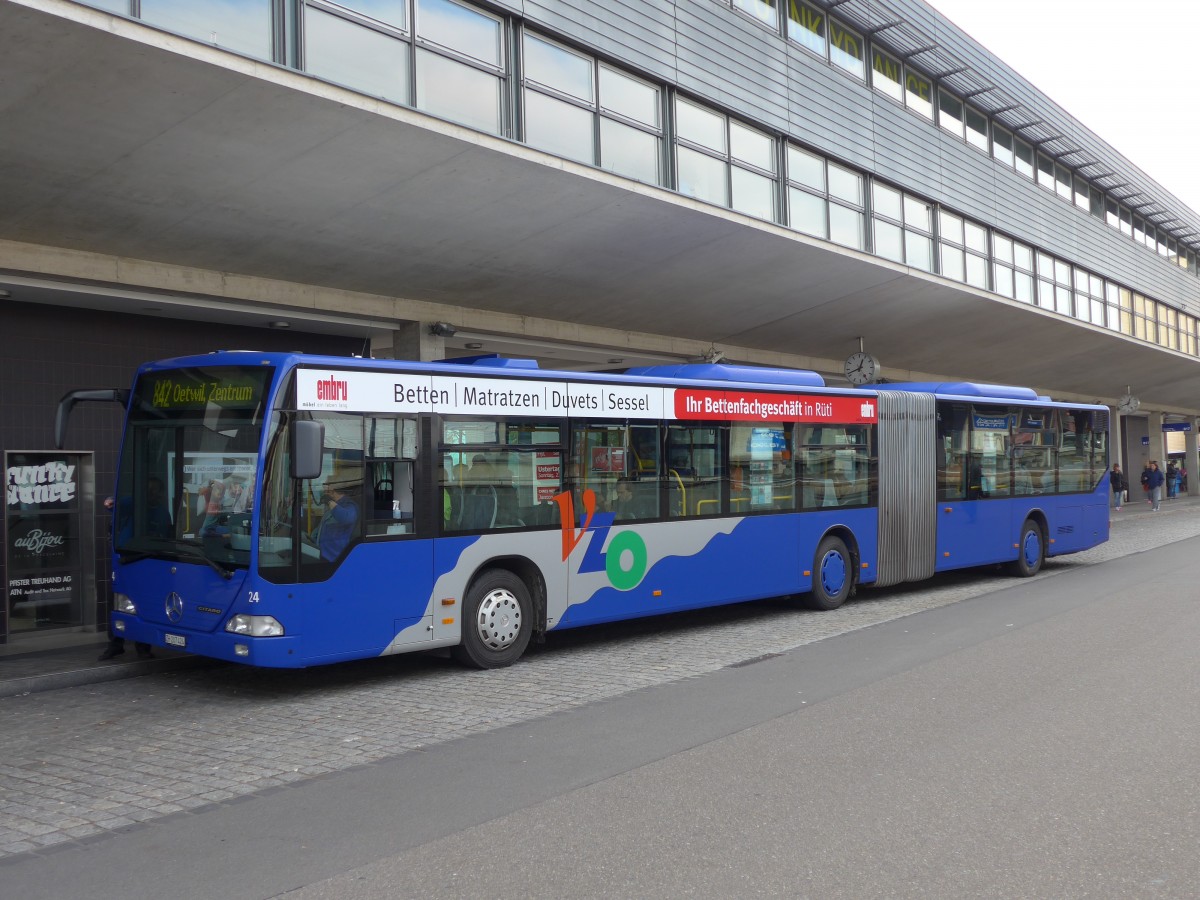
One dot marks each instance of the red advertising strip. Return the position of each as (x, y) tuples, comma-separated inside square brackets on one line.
[(747, 406)]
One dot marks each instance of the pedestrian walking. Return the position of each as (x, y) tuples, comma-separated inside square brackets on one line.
[(1116, 481), (1155, 485)]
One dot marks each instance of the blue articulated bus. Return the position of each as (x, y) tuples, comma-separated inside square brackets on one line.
[(293, 510)]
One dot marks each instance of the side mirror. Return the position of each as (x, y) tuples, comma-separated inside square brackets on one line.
[(308, 442)]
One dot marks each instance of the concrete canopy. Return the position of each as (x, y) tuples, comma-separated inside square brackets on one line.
[(124, 142)]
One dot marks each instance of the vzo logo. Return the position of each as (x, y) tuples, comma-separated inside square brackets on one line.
[(624, 561)]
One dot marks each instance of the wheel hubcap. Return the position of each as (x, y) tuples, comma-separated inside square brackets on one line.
[(1033, 549), (499, 619), (833, 573)]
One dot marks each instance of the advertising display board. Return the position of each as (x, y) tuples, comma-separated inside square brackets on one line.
[(48, 541)]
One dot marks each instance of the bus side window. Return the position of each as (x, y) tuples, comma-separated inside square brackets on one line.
[(695, 469), (391, 451), (952, 463)]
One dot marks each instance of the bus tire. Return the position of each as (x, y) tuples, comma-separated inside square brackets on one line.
[(497, 621), (832, 574), (1031, 551)]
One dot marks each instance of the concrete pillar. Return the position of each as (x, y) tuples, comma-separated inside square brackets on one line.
[(1116, 450), (411, 340), (1158, 440), (1191, 460)]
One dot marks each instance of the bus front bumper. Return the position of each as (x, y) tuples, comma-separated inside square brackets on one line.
[(275, 652)]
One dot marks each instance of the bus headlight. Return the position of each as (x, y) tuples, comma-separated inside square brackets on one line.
[(123, 604), (255, 626)]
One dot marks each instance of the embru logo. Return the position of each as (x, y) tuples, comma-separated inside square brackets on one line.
[(625, 561), (867, 410), (332, 389)]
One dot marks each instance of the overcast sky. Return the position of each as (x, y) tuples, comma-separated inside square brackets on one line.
[(1125, 70)]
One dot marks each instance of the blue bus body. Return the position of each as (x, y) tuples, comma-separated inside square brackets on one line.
[(765, 505)]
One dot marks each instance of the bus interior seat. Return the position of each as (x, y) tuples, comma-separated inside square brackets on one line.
[(479, 508)]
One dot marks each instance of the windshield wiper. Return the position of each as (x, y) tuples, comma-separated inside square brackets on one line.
[(195, 551), (217, 567), (132, 556)]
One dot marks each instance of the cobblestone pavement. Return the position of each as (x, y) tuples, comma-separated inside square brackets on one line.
[(78, 763)]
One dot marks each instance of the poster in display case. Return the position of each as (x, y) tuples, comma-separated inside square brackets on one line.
[(49, 540)]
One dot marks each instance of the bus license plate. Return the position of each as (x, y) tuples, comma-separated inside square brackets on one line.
[(176, 640)]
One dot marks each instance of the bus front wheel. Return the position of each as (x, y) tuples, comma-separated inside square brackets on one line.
[(833, 575), (1031, 551), (497, 621)]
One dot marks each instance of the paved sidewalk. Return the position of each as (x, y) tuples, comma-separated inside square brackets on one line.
[(47, 670), (24, 672)]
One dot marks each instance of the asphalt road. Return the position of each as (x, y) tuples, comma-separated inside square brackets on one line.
[(1039, 739)]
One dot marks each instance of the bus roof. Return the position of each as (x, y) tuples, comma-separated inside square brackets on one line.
[(970, 389), (710, 373)]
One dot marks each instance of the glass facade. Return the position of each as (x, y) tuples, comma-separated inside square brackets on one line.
[(469, 65)]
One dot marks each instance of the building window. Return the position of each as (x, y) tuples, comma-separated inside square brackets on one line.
[(365, 54), (1002, 146), (1112, 213), (902, 227), (763, 10), (1187, 334), (1139, 317), (460, 64), (243, 27), (846, 49), (753, 171), (824, 199), (977, 253), (559, 100), (1054, 284), (630, 126), (1082, 194), (806, 26), (846, 215), (1012, 268), (724, 162), (1062, 182), (977, 129), (1089, 297), (918, 93), (1024, 157), (887, 75), (1170, 324), (950, 113), (1112, 306), (963, 250), (1125, 298), (1045, 172)]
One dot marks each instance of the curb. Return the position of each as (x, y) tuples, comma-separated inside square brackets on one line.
[(51, 681)]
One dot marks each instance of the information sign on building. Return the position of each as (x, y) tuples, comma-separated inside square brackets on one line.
[(48, 531)]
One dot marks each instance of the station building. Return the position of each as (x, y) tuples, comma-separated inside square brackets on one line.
[(596, 186)]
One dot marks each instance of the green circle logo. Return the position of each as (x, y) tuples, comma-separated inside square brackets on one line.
[(626, 579)]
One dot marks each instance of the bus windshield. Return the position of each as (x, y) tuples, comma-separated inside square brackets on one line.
[(185, 486)]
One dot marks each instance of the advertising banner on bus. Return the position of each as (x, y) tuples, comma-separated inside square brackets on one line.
[(454, 395)]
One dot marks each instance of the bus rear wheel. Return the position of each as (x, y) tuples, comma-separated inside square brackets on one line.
[(497, 621), (1031, 551), (833, 575)]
